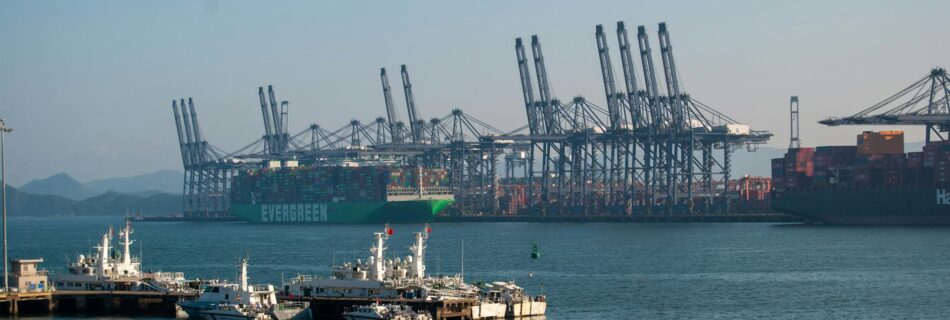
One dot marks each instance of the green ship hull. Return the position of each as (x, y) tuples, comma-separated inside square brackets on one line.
[(412, 211)]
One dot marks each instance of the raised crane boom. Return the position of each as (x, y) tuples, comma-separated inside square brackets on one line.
[(268, 131), (544, 90), (410, 105), (181, 135), (391, 115), (276, 119), (606, 70), (186, 119), (199, 146), (526, 88), (629, 74), (649, 78), (677, 105)]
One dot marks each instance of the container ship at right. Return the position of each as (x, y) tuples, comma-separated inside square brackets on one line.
[(872, 183)]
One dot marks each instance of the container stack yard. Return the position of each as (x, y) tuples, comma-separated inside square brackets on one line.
[(752, 194), (648, 149)]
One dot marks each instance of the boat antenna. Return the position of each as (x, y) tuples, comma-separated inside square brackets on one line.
[(463, 260)]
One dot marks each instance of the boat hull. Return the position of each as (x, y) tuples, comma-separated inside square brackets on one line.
[(411, 211), (871, 206), (194, 309), (215, 315)]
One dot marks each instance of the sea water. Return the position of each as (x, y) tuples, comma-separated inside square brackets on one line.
[(586, 270)]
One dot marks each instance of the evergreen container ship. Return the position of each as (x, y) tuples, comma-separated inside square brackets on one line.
[(872, 183), (340, 194)]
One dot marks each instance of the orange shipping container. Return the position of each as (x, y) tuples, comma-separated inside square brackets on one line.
[(883, 142)]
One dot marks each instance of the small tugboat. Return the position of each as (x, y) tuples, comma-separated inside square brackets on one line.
[(233, 301), (378, 311), (106, 270)]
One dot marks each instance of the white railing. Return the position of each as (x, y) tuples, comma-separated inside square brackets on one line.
[(411, 191)]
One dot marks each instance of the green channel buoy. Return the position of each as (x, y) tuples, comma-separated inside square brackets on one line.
[(535, 253)]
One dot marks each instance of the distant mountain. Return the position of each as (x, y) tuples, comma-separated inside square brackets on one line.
[(115, 203), (20, 203), (165, 181), (110, 203), (60, 184)]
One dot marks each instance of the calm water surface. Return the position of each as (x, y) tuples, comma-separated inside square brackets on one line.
[(588, 271)]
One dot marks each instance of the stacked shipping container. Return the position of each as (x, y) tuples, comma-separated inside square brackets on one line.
[(798, 167), (324, 184), (884, 142), (874, 162)]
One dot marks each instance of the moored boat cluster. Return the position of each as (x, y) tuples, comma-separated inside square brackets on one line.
[(379, 287)]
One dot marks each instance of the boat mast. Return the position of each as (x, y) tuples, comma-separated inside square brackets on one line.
[(418, 267), (243, 279), (378, 264), (126, 243), (104, 253)]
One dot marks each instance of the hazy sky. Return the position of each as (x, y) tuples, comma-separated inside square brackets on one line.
[(88, 85)]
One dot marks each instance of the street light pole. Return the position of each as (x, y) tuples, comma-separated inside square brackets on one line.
[(3, 184)]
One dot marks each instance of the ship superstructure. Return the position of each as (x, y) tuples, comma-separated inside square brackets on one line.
[(105, 270)]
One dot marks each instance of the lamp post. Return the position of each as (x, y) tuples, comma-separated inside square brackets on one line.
[(3, 184)]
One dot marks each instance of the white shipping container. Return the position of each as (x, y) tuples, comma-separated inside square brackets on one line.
[(733, 129), (697, 124)]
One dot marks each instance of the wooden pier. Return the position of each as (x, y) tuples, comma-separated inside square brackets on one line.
[(131, 303), (26, 303)]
